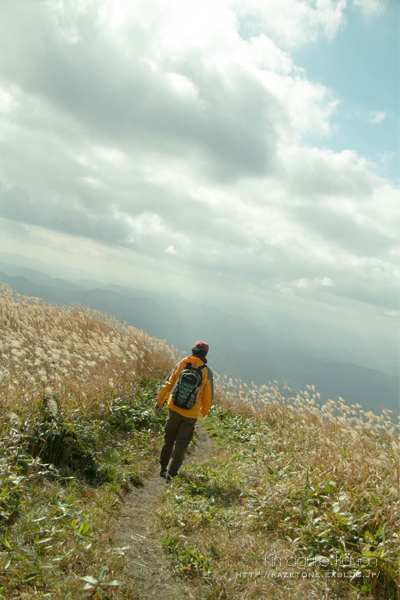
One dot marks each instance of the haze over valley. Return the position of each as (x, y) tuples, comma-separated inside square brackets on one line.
[(251, 349)]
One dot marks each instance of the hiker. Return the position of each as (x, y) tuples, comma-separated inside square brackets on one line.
[(190, 389)]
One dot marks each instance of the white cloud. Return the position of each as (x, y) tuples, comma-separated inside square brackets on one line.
[(385, 159), (369, 8), (395, 314), (284, 290), (158, 129), (6, 101), (266, 55), (64, 17), (308, 283), (325, 281), (291, 22), (376, 117), (302, 283)]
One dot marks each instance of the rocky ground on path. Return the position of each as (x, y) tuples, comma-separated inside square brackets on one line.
[(137, 527)]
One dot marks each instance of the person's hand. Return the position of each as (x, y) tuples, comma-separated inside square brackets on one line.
[(157, 408)]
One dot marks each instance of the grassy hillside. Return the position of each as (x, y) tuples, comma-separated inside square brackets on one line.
[(295, 502), (76, 430), (288, 506)]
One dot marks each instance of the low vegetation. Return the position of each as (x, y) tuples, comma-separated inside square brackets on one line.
[(77, 429), (290, 505), (297, 500)]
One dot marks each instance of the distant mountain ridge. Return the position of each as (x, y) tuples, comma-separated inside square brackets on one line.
[(238, 349)]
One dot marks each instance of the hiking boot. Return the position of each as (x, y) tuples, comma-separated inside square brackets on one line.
[(169, 477), (163, 471)]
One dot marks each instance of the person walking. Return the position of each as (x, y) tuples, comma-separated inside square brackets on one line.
[(191, 390)]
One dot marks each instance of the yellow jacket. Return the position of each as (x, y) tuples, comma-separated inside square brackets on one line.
[(204, 395)]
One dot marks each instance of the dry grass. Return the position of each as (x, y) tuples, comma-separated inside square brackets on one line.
[(289, 477), (290, 482), (76, 353), (101, 377)]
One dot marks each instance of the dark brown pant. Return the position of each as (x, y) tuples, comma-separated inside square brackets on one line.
[(178, 430)]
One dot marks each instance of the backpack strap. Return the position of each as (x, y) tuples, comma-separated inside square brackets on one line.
[(189, 364)]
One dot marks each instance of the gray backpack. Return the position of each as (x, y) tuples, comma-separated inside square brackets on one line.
[(187, 386)]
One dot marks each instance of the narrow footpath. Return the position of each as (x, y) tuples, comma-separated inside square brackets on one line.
[(137, 527)]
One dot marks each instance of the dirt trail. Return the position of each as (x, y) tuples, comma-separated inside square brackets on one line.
[(137, 527)]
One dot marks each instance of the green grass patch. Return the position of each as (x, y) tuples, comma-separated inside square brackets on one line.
[(270, 522), (60, 484)]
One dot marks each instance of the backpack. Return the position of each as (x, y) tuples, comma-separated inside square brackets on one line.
[(187, 386)]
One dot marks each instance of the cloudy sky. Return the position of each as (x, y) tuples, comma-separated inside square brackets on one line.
[(245, 151)]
